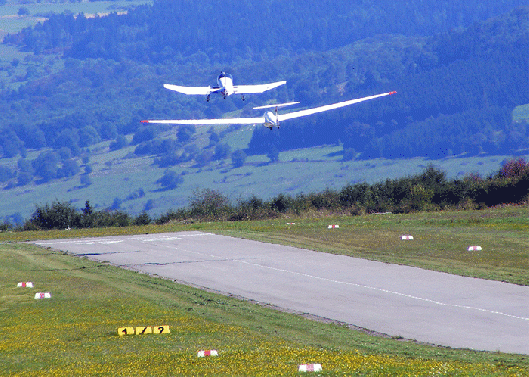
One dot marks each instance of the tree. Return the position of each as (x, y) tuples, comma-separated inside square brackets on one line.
[(184, 133), (170, 180), (143, 135), (348, 154), (24, 178), (221, 151), (142, 219), (87, 218), (209, 204), (46, 165), (214, 138), (88, 136), (514, 168), (5, 174), (10, 144), (68, 138), (60, 215), (85, 180), (273, 154), (121, 142), (23, 11), (70, 168), (238, 158)]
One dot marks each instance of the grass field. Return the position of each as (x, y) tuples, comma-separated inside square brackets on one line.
[(10, 22), (75, 332), (521, 113)]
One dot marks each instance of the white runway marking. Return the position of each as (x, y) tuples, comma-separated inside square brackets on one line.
[(385, 291)]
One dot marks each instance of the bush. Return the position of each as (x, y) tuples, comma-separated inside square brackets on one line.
[(514, 169), (142, 219), (209, 204), (57, 216)]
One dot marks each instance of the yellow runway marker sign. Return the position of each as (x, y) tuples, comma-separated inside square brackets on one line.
[(143, 330), (125, 331), (161, 330)]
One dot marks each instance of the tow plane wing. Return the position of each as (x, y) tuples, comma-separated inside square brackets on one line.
[(224, 87), (255, 89), (190, 90)]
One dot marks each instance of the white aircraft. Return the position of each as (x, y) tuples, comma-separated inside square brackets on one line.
[(225, 87), (269, 119)]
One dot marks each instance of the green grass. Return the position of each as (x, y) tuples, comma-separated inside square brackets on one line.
[(521, 113), (75, 333), (88, 8), (11, 23)]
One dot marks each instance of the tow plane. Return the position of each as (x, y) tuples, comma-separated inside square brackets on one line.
[(224, 87), (270, 119)]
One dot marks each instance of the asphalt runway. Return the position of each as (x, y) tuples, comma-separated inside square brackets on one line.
[(410, 302)]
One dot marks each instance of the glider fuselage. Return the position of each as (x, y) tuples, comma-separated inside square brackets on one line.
[(271, 120)]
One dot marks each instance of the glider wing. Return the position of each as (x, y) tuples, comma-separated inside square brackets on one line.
[(321, 109), (207, 122)]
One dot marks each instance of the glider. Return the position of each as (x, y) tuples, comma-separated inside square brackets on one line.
[(225, 87), (269, 119)]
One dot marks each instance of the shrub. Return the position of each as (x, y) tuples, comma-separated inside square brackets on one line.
[(209, 204), (57, 216)]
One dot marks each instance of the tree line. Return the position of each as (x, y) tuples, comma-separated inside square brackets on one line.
[(426, 191), (257, 30)]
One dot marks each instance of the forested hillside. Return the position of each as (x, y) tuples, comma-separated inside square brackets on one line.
[(228, 31), (460, 68)]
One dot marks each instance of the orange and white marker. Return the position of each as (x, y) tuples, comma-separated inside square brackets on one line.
[(27, 284), (41, 295), (333, 226), (207, 353), (406, 237), (309, 368), (475, 248)]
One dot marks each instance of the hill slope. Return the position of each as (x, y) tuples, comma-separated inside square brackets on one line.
[(71, 124)]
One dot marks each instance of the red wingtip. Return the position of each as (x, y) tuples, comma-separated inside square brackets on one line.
[(145, 121), (390, 93)]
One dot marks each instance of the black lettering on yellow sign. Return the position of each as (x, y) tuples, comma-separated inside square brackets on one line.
[(143, 330), (163, 330), (125, 331)]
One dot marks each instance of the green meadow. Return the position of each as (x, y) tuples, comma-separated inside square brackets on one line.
[(11, 22), (75, 332), (123, 176)]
